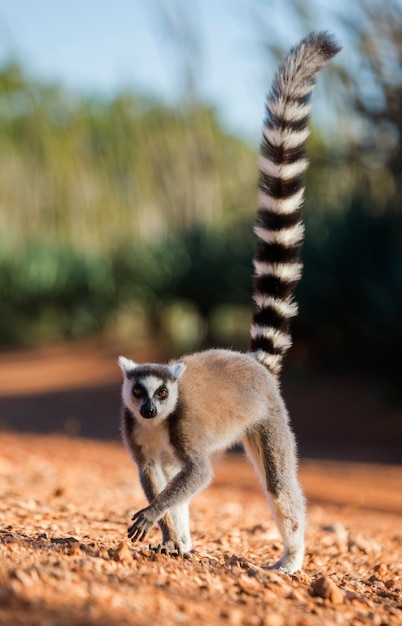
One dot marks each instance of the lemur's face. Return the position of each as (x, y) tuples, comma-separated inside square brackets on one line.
[(152, 395), (151, 390)]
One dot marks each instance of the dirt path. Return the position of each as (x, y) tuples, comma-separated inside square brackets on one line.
[(65, 559)]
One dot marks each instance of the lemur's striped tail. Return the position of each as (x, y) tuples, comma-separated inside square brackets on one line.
[(279, 226)]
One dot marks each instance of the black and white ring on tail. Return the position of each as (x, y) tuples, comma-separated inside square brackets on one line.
[(176, 415)]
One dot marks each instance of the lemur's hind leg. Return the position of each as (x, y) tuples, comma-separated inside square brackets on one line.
[(271, 448)]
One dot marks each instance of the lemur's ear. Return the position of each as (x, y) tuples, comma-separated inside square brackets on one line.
[(177, 369), (126, 365)]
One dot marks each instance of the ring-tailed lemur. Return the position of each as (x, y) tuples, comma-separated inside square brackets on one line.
[(176, 415)]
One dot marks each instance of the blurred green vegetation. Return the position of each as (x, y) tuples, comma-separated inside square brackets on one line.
[(126, 217)]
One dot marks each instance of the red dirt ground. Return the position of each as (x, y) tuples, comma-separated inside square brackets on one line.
[(66, 503)]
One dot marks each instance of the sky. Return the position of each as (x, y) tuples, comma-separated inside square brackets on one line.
[(105, 45)]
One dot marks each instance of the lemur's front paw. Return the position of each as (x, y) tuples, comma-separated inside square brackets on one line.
[(143, 520)]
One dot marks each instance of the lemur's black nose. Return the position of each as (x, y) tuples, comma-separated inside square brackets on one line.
[(148, 410)]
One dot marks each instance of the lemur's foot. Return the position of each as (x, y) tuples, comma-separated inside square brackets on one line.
[(171, 547), (288, 564)]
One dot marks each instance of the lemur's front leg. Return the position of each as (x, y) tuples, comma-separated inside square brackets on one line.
[(153, 481), (192, 478)]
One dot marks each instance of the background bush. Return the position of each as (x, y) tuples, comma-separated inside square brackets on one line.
[(126, 216)]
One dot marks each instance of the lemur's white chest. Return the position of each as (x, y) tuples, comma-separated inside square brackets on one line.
[(153, 437)]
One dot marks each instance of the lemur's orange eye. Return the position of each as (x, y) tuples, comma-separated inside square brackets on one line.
[(162, 393)]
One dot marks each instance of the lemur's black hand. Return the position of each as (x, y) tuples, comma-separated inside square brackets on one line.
[(143, 520)]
